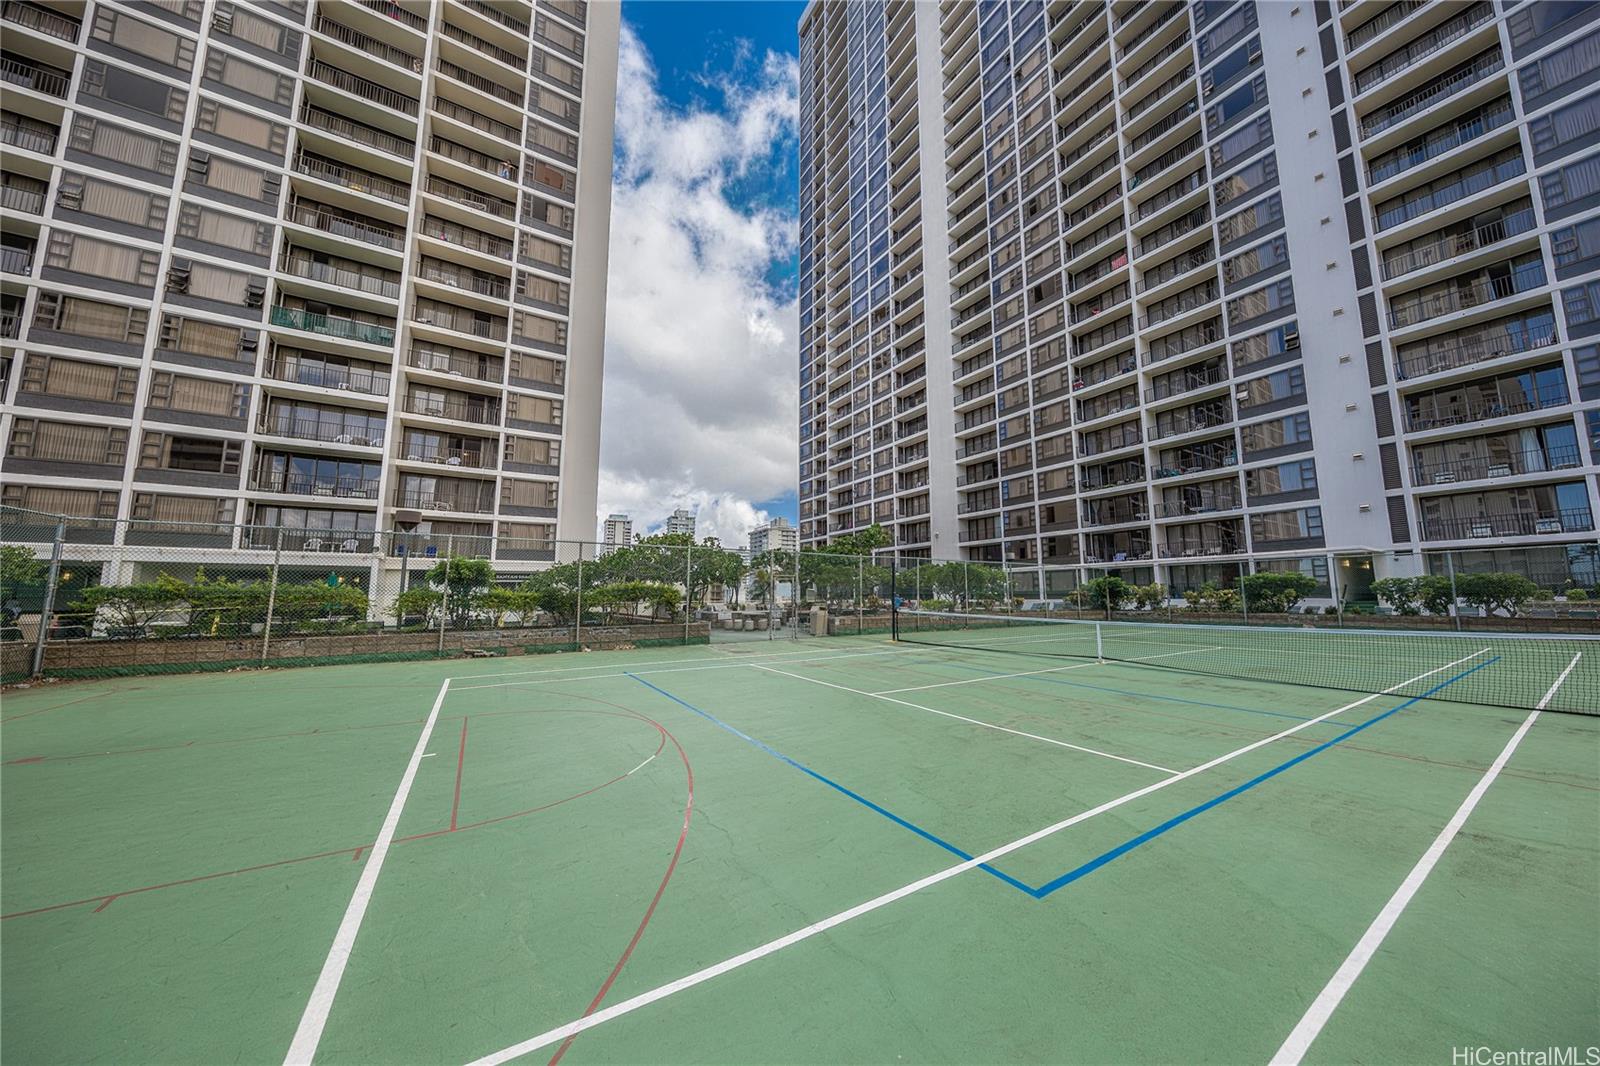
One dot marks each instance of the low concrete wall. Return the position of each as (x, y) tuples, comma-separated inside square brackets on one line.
[(88, 658)]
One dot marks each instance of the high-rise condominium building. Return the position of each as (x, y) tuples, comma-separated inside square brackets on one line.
[(681, 521), (618, 530), (1152, 287), (776, 535), (335, 266)]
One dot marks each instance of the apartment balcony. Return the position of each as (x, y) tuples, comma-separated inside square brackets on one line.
[(1419, 49), (17, 259), (433, 499), (1429, 412), (332, 326), (10, 317), (392, 10), (1457, 81), (1408, 311), (1476, 344), (1202, 498), (344, 224), (28, 134), (1179, 45), (364, 88), (366, 44), (484, 46), (326, 430), (464, 278), (487, 86), (1496, 114), (1210, 415), (474, 410), (469, 197), (1508, 524), (22, 72), (457, 363), (1195, 459), (347, 130), (1175, 268), (1428, 253), (1468, 182), (21, 194), (1174, 307), (1179, 191), (1183, 341), (493, 13), (1182, 382), (41, 19), (345, 274), (366, 382), (353, 178), (346, 488), (1100, 442), (504, 169), (477, 120), (1374, 28), (1100, 516), (1503, 464), (1201, 540)]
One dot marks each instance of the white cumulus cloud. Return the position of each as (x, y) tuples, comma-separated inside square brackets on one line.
[(700, 385)]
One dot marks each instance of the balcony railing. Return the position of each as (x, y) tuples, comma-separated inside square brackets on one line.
[(332, 326), (28, 138), (1184, 340), (355, 488), (1469, 346), (329, 431), (1438, 142), (1176, 423), (10, 324), (42, 19), (479, 82), (1447, 248), (1182, 303), (26, 74), (355, 85), (21, 200), (356, 132), (504, 169), (1177, 384), (385, 284), (1171, 194), (353, 178), (1461, 414), (1206, 504), (398, 13), (1196, 462), (1175, 267), (463, 278), (369, 45), (466, 237), (505, 18), (350, 379), (316, 216), (482, 414), (451, 109), (1513, 524), (437, 500), (481, 458), (16, 260), (1395, 212), (463, 365), (1462, 78), (1480, 291), (457, 193), (488, 48), (1410, 54), (1368, 31), (1504, 465)]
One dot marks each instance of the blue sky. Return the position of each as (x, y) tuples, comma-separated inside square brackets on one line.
[(701, 327)]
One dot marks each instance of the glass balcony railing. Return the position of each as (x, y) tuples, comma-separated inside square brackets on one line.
[(332, 326)]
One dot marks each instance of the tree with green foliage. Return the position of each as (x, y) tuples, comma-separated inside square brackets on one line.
[(18, 569), (1435, 594), (1151, 597), (1276, 591), (1402, 594), (1496, 592), (1213, 598), (1108, 593)]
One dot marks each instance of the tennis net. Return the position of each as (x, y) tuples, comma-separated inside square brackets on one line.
[(1556, 672)]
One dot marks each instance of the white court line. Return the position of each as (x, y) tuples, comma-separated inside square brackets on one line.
[(1032, 673), (309, 1033), (970, 721), (1310, 1026), (642, 765), (644, 999)]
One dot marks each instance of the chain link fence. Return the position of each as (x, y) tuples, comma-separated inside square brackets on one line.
[(82, 597)]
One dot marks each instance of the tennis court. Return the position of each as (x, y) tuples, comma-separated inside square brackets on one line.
[(993, 840)]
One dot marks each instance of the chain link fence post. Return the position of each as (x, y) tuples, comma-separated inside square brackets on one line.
[(1244, 601), (1333, 588), (47, 608), (861, 603), (1455, 603), (577, 615), (444, 601), (688, 585), (272, 596)]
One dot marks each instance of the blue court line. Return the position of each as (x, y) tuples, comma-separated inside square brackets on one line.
[(1149, 695), (1172, 823), (1107, 857), (895, 818)]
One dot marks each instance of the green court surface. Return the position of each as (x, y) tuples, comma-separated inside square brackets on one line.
[(839, 849)]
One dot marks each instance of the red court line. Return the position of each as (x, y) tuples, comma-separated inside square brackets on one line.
[(106, 898), (461, 761), (672, 865)]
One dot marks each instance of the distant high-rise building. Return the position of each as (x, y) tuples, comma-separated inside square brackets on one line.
[(776, 535), (333, 267), (1160, 288), (681, 521), (618, 530)]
